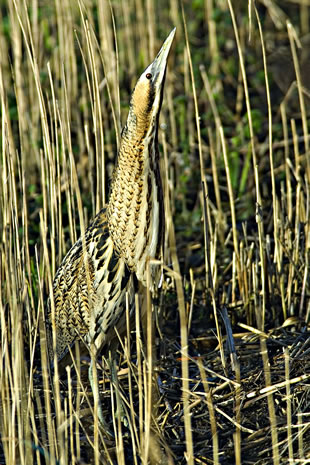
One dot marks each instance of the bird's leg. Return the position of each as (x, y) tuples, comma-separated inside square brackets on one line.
[(94, 383), (121, 410), (93, 379)]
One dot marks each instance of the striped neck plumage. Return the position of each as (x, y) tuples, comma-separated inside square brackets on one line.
[(135, 209)]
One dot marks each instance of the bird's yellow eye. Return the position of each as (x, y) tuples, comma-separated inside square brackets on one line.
[(148, 76)]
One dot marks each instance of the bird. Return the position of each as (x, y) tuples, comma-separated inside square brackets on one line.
[(108, 264)]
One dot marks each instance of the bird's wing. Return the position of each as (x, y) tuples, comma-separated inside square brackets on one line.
[(89, 290)]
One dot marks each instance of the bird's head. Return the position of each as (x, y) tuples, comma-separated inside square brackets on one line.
[(146, 99)]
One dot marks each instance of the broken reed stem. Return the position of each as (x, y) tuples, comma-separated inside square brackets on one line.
[(270, 401), (183, 322), (260, 310), (273, 183), (232, 206), (237, 434), (288, 406), (210, 406), (149, 365)]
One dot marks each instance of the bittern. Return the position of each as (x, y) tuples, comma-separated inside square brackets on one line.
[(107, 263)]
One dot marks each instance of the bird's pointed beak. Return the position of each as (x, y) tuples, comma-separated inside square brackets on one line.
[(147, 95), (158, 67)]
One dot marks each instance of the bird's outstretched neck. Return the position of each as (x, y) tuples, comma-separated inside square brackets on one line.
[(135, 210)]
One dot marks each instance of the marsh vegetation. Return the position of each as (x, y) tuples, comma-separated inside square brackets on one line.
[(230, 375)]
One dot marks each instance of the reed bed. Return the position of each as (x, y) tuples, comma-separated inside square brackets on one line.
[(222, 373)]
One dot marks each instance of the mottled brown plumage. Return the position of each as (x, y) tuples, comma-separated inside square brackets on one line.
[(90, 286), (89, 290)]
